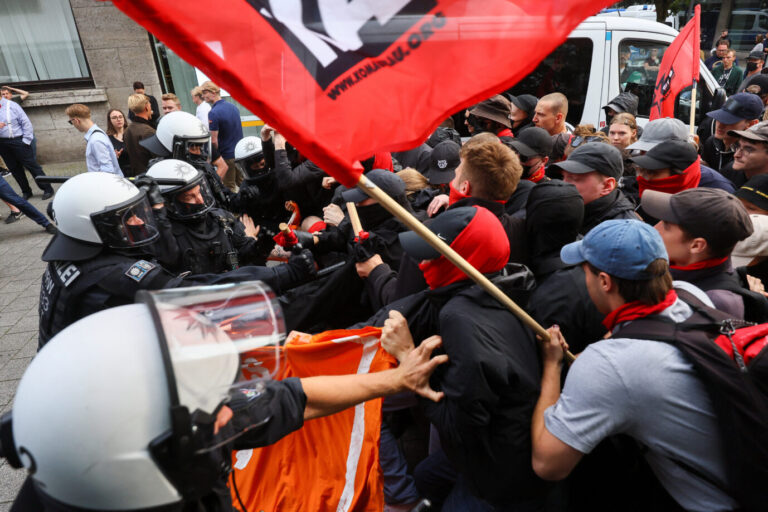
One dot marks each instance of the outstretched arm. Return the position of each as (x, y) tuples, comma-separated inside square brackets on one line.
[(330, 394)]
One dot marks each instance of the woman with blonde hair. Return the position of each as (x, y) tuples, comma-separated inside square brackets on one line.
[(623, 130)]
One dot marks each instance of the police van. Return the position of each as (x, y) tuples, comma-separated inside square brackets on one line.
[(608, 55)]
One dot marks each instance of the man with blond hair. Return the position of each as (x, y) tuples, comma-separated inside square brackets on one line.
[(100, 155), (170, 103), (226, 130), (138, 130), (202, 106)]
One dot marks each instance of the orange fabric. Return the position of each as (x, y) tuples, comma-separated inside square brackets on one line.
[(307, 470)]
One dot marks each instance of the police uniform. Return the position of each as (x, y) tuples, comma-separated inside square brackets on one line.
[(213, 244), (71, 290)]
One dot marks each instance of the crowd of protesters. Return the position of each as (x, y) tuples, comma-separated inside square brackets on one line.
[(588, 230)]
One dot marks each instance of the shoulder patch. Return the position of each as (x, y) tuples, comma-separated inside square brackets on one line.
[(139, 269)]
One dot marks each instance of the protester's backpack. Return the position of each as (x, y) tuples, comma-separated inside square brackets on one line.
[(755, 304), (731, 358)]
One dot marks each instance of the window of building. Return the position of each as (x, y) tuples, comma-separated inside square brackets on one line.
[(562, 71), (638, 68), (39, 43)]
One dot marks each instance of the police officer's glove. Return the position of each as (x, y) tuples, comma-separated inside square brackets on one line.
[(149, 184), (306, 239), (302, 264), (249, 193)]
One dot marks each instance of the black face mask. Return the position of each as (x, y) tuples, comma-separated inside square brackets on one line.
[(372, 215), (751, 66), (527, 170)]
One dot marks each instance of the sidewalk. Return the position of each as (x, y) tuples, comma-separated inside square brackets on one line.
[(21, 245)]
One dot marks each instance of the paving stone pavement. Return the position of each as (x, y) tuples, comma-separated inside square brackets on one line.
[(21, 245)]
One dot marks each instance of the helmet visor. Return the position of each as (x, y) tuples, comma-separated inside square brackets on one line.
[(253, 166), (194, 151), (192, 200), (127, 225), (218, 340)]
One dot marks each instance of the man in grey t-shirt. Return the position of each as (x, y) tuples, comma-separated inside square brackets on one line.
[(644, 389)]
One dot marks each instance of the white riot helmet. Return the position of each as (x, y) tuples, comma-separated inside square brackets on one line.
[(122, 419), (188, 201), (249, 157), (182, 136), (97, 209)]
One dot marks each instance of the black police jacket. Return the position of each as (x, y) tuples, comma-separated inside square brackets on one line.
[(214, 244), (73, 290), (491, 382)]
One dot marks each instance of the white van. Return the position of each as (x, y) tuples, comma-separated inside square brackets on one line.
[(606, 55)]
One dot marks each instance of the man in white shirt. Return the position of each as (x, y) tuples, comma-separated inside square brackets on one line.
[(100, 155), (203, 107)]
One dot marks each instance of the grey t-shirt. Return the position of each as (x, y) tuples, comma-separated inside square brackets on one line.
[(649, 391)]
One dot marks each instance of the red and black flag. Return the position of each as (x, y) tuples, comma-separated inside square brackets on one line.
[(679, 69), (343, 79)]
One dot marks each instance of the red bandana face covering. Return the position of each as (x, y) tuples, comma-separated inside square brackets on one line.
[(538, 175), (689, 178), (636, 309), (483, 243)]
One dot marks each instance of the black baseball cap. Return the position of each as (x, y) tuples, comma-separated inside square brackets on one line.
[(443, 163), (760, 81), (387, 181), (710, 213), (755, 191), (594, 156), (531, 142), (442, 133), (525, 102), (676, 155), (739, 107), (756, 55)]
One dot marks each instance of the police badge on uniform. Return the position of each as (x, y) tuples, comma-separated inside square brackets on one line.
[(139, 269)]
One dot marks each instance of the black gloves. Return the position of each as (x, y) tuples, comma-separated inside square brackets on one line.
[(364, 250), (302, 263), (149, 184)]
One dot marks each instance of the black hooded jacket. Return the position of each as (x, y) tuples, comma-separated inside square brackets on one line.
[(491, 382), (612, 206), (555, 212)]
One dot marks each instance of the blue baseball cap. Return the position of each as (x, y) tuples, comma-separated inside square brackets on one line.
[(739, 107), (622, 248)]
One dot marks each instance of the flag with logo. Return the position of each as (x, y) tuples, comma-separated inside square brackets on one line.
[(343, 79), (332, 463), (679, 68)]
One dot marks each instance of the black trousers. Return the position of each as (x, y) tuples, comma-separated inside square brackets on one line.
[(18, 156)]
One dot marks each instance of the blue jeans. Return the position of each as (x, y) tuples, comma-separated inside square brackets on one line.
[(10, 196)]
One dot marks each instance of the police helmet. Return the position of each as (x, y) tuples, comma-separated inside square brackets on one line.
[(188, 201), (123, 419), (249, 157), (97, 209), (182, 136)]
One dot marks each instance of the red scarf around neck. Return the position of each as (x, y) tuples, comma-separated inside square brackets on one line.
[(712, 262), (636, 309), (689, 178)]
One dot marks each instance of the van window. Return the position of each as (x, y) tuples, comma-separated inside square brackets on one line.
[(638, 67), (565, 70), (742, 21), (703, 102)]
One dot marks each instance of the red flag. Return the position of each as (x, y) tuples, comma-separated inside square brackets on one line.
[(343, 79), (679, 68)]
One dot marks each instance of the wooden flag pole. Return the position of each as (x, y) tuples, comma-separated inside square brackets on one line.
[(354, 218), (409, 220)]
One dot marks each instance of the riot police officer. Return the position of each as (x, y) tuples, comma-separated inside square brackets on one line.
[(182, 136), (261, 198), (208, 239), (102, 256)]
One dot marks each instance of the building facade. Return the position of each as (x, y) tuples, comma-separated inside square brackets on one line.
[(84, 51)]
